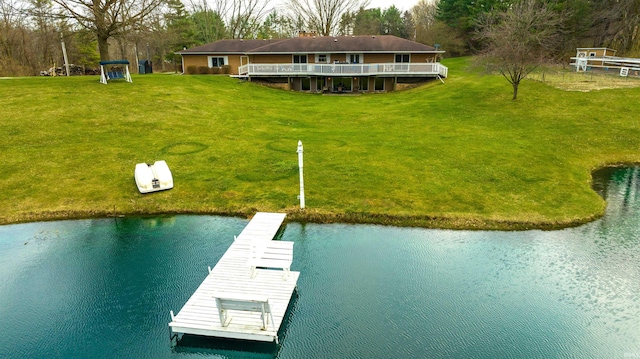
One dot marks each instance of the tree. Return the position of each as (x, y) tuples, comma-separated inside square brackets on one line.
[(615, 23), (245, 18), (179, 25), (377, 22), (46, 37), (461, 16), (428, 30), (347, 21), (518, 40), (323, 16), (576, 25), (277, 26), (368, 22), (409, 29), (392, 23), (209, 24), (107, 18), (14, 36), (424, 15), (86, 49)]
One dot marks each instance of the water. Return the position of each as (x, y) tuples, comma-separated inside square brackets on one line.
[(104, 288)]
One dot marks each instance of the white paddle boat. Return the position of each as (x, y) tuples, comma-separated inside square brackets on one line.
[(152, 178)]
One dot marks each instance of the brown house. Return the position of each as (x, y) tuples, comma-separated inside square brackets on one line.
[(321, 63)]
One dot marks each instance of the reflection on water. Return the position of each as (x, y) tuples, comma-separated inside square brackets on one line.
[(104, 288)]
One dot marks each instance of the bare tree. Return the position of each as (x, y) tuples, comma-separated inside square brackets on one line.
[(15, 39), (236, 19), (431, 31), (45, 35), (518, 40), (424, 17), (245, 18), (107, 18), (323, 16)]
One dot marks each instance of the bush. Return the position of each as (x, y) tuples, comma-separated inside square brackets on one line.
[(203, 70), (215, 70), (192, 70), (225, 69)]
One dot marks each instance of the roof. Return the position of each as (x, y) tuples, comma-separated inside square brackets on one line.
[(329, 44), (337, 44), (236, 46)]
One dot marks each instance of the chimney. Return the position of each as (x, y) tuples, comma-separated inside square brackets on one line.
[(303, 33)]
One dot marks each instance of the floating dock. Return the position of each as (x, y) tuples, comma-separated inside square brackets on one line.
[(243, 297)]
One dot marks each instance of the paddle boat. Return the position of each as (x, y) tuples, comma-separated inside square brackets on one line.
[(152, 178)]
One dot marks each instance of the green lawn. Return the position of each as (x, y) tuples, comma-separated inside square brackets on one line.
[(455, 155)]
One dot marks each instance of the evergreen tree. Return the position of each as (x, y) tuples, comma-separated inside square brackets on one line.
[(392, 23)]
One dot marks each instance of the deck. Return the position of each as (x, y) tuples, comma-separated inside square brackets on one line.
[(232, 277), (426, 69)]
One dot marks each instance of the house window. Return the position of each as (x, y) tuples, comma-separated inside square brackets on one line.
[(354, 58), (402, 58), (322, 58), (217, 61), (592, 54), (364, 84), (299, 59), (379, 85)]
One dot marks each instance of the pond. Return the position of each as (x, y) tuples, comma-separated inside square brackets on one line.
[(103, 288)]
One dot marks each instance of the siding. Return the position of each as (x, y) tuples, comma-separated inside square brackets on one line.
[(195, 60), (378, 58), (203, 60), (272, 59)]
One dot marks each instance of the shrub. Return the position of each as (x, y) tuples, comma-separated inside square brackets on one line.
[(192, 70), (203, 70)]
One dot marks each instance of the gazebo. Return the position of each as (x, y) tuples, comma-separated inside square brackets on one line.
[(115, 69)]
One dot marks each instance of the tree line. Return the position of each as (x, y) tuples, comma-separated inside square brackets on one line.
[(582, 23), (32, 31)]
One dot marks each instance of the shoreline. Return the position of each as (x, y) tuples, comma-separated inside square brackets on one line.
[(461, 223), (315, 217)]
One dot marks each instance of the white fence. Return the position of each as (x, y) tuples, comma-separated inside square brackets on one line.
[(395, 69)]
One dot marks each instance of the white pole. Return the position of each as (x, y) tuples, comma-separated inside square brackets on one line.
[(64, 54), (300, 165)]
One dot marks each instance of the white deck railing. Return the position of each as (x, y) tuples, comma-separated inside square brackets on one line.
[(395, 69)]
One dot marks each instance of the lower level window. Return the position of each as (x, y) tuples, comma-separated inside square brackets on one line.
[(306, 84), (364, 84), (342, 84), (321, 83), (379, 85)]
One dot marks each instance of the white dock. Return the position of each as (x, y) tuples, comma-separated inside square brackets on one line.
[(252, 301)]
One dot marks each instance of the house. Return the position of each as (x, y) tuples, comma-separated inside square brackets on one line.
[(321, 63)]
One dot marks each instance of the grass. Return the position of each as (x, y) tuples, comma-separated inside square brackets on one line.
[(454, 155)]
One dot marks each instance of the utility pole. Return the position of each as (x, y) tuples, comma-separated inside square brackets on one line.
[(64, 54)]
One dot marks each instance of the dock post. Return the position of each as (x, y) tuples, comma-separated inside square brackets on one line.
[(300, 165)]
